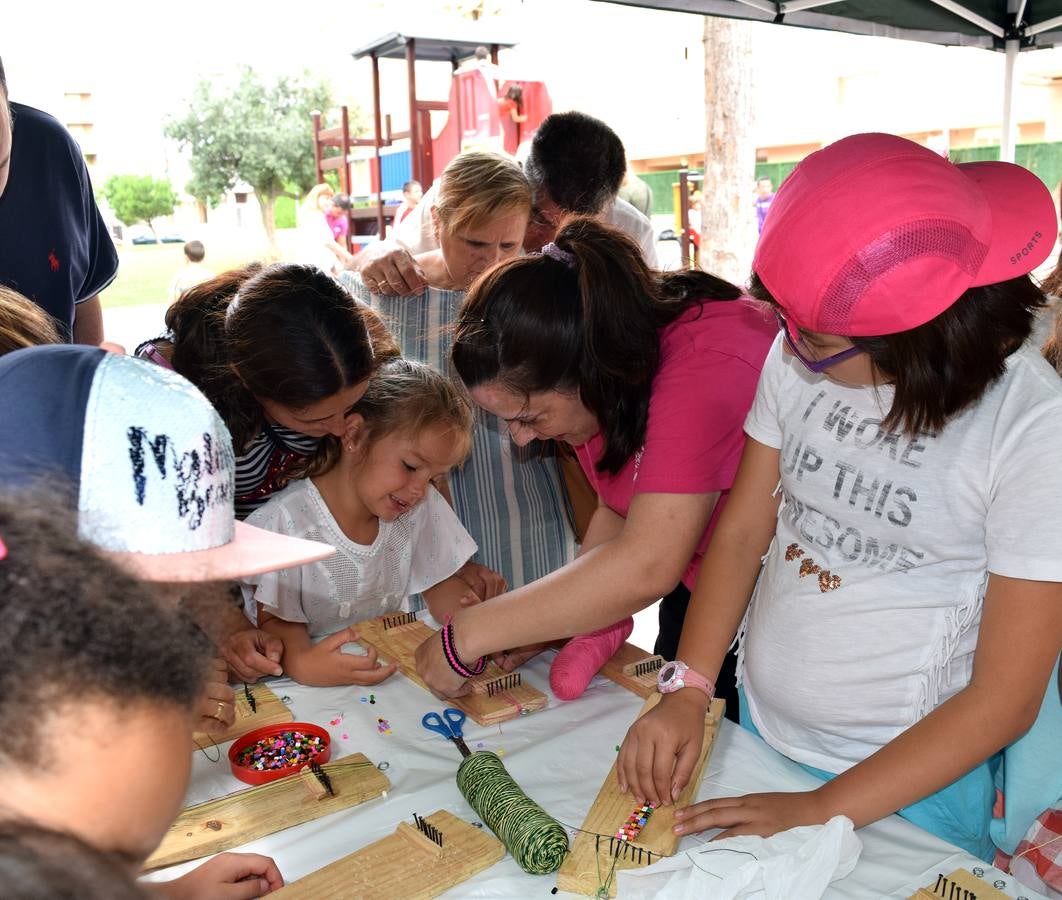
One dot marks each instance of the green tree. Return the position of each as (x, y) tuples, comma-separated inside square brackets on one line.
[(252, 131), (139, 198)]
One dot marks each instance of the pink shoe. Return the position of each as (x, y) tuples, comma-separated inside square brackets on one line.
[(583, 656)]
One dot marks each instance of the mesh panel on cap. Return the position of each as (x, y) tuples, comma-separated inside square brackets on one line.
[(942, 238)]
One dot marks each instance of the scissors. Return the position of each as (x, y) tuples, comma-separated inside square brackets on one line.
[(450, 728)]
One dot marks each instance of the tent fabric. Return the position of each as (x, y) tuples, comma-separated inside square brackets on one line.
[(919, 20)]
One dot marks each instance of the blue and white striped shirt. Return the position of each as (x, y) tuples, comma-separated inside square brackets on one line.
[(511, 499)]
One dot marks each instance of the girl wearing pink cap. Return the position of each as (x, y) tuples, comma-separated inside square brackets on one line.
[(908, 611)]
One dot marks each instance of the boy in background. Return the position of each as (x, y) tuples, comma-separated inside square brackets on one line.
[(193, 271)]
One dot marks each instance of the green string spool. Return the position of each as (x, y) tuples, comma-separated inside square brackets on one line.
[(536, 841)]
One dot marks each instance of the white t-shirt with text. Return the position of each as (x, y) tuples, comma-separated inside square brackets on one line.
[(866, 614)]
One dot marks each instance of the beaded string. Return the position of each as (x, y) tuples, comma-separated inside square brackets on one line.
[(536, 840), (202, 749)]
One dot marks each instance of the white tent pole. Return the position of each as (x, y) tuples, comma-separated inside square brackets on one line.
[(970, 16), (1045, 25), (1006, 148), (767, 6)]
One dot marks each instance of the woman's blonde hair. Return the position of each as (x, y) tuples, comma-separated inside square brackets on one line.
[(404, 396), (314, 194), (475, 186), (23, 323)]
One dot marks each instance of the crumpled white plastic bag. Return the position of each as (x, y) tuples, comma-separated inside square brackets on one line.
[(798, 864)]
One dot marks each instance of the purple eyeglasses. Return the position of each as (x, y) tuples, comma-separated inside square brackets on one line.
[(793, 342)]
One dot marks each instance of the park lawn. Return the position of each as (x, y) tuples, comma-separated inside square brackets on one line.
[(145, 270)]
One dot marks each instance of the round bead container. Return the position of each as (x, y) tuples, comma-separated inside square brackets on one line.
[(276, 751)]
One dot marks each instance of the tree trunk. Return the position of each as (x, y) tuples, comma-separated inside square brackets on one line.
[(267, 204), (728, 216)]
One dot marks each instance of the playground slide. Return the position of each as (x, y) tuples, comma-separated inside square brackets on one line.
[(473, 120)]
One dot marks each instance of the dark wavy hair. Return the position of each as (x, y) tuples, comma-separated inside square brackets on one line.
[(72, 624), (38, 863), (536, 324), (945, 366), (577, 160), (294, 336), (403, 396), (1052, 348)]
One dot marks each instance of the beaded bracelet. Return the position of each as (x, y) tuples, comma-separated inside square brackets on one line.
[(453, 659)]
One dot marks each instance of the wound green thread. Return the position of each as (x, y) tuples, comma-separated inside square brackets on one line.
[(535, 839)]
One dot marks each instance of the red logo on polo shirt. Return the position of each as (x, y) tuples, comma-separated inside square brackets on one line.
[(53, 261)]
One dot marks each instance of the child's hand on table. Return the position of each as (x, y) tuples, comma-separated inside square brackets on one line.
[(761, 814), (661, 748), (228, 876), (326, 665)]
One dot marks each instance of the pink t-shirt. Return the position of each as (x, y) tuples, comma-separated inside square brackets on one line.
[(710, 361)]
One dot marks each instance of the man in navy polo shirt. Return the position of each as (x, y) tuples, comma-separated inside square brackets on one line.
[(54, 245)]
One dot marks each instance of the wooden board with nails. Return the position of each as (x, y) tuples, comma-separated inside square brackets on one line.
[(406, 864), (268, 710), (959, 885), (253, 813), (627, 657), (588, 867), (496, 695)]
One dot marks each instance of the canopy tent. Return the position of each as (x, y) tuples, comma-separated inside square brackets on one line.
[(1006, 25)]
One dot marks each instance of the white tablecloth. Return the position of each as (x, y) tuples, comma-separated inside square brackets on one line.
[(559, 756)]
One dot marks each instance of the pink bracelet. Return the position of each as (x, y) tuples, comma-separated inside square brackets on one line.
[(453, 659)]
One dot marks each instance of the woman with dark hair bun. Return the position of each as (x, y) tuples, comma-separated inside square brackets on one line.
[(283, 353), (649, 376)]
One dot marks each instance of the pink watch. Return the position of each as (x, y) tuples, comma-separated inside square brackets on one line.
[(674, 676)]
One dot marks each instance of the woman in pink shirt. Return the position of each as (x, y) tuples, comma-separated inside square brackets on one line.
[(649, 376)]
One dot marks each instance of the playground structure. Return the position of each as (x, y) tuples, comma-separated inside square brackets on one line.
[(476, 118)]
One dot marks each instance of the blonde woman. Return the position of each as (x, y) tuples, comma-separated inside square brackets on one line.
[(317, 243), (511, 499)]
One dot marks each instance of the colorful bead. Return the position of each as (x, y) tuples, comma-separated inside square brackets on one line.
[(289, 749), (635, 822)]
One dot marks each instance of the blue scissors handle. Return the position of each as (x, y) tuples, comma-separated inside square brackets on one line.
[(450, 728), (455, 718), (448, 725)]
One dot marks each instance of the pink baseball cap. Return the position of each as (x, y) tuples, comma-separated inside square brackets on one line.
[(876, 234)]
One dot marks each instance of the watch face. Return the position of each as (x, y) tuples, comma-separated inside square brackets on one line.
[(668, 674)]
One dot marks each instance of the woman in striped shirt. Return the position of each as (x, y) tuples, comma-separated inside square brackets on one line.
[(510, 498)]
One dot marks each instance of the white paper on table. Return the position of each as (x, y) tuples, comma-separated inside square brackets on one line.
[(798, 864)]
